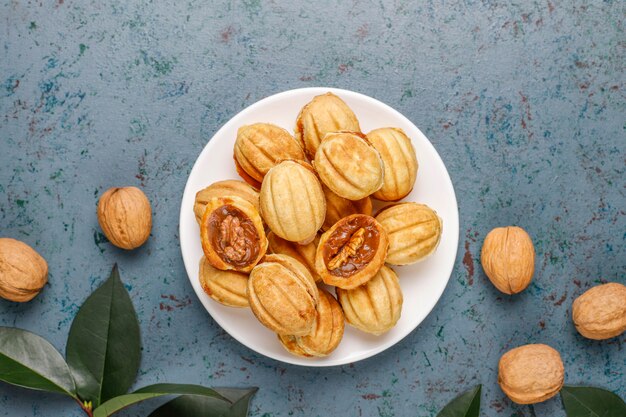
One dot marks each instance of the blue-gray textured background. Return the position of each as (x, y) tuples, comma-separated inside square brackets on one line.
[(525, 102)]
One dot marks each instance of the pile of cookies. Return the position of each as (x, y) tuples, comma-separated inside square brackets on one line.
[(302, 218)]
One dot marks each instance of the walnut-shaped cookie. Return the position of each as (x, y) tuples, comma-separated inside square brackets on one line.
[(225, 287), (326, 334), (414, 232), (325, 113), (338, 207), (259, 147), (351, 252), (226, 188), (375, 306), (282, 297), (349, 165), (303, 253), (400, 162), (292, 201), (232, 234)]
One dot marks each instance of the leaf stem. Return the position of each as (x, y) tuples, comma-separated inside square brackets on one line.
[(85, 407)]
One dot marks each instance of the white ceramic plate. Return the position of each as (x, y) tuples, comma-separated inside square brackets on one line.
[(422, 283)]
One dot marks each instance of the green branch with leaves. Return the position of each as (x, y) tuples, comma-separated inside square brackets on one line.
[(101, 363)]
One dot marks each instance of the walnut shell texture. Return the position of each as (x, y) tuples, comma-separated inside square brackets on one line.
[(260, 146), (327, 333), (531, 373), (226, 188), (305, 254), (225, 287), (232, 234), (414, 232), (600, 312), (325, 113), (400, 162), (292, 201), (125, 217), (23, 272), (375, 306), (508, 259), (349, 165), (338, 207), (281, 299)]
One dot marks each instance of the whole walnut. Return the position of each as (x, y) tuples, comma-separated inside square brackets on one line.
[(531, 373), (600, 313), (125, 217), (508, 259), (23, 272)]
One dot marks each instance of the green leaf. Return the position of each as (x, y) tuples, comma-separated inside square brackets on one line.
[(104, 346), (153, 391), (465, 405), (30, 361), (591, 402), (195, 406)]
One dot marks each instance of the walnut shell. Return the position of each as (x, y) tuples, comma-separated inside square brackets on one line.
[(349, 165), (414, 232), (282, 297), (327, 333), (259, 147), (351, 252), (338, 207), (125, 217), (232, 234), (508, 259), (23, 272), (292, 201), (226, 188), (225, 287), (531, 374), (400, 162), (600, 312), (375, 306), (305, 254), (325, 113)]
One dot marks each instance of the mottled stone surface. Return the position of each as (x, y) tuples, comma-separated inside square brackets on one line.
[(525, 103)]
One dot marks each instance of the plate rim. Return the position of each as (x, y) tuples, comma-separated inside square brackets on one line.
[(304, 362)]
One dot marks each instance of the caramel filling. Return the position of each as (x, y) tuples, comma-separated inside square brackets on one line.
[(351, 246), (233, 236)]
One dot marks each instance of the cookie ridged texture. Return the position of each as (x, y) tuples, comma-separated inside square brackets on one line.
[(600, 312), (400, 162), (292, 202), (298, 269), (225, 287), (375, 306), (325, 113), (531, 373), (305, 254), (280, 300), (349, 165), (226, 188), (338, 207), (414, 231), (325, 336), (260, 146)]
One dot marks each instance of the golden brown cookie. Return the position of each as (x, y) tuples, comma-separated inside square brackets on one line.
[(338, 207), (227, 188), (349, 165), (292, 201), (414, 232), (259, 147), (299, 269), (282, 298), (326, 335), (325, 113), (225, 287), (305, 254), (375, 306), (232, 234), (400, 162), (351, 252)]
